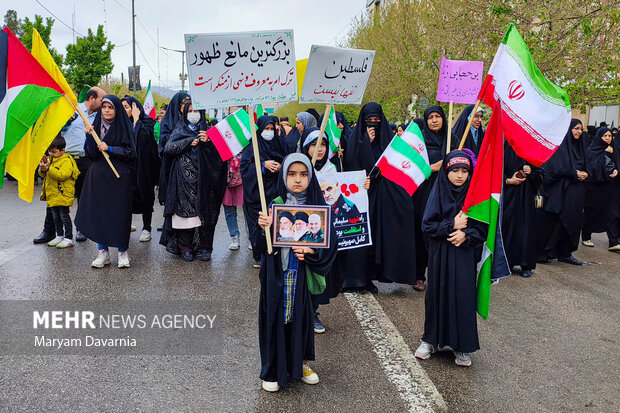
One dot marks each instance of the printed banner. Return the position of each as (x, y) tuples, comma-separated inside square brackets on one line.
[(344, 192), (459, 81), (234, 69), (336, 75)]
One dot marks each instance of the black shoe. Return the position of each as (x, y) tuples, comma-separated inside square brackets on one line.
[(188, 256), (80, 237), (572, 260), (205, 255), (43, 238), (160, 229), (526, 274), (372, 288)]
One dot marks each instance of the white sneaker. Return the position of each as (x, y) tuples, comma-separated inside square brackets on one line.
[(234, 245), (462, 359), (133, 228), (145, 236), (588, 243), (424, 351), (102, 259), (250, 247), (309, 376), (65, 243), (55, 242), (123, 260), (271, 386)]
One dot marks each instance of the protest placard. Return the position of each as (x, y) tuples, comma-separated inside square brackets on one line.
[(459, 81), (336, 75), (345, 194), (233, 69)]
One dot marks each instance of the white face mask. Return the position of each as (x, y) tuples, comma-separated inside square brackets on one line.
[(267, 135), (193, 117)]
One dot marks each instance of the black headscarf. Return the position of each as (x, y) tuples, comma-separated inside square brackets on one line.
[(420, 123), (459, 129), (273, 150), (435, 141), (597, 157), (146, 120), (347, 131), (184, 127), (360, 153), (314, 194), (170, 119), (314, 113), (446, 200), (120, 132)]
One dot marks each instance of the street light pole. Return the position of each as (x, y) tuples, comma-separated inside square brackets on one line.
[(182, 75)]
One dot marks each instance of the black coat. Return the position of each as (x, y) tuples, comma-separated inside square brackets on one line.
[(104, 210)]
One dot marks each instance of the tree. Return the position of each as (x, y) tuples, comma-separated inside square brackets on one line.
[(13, 23), (575, 45), (45, 30), (89, 59)]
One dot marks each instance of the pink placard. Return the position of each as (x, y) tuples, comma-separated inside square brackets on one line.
[(459, 81)]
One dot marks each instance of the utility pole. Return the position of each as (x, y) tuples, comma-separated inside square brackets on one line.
[(133, 35), (182, 75)]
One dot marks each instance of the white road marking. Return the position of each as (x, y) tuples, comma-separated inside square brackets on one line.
[(8, 254), (400, 365)]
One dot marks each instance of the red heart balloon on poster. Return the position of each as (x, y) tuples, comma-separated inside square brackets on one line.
[(344, 190), (354, 189)]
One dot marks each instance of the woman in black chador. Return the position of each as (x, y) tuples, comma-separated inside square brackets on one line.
[(391, 211), (196, 187), (452, 238), (435, 132), (104, 212), (522, 181), (476, 131), (286, 335), (146, 168), (559, 221), (272, 149), (602, 159)]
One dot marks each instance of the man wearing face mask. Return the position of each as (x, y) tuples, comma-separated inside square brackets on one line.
[(272, 150), (195, 188)]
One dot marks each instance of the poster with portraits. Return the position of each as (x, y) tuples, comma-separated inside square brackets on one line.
[(348, 201), (301, 226)]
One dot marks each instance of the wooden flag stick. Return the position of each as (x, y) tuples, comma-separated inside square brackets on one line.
[(471, 119), (94, 134), (449, 143), (320, 139), (259, 176)]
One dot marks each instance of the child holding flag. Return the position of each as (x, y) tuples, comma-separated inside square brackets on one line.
[(450, 305)]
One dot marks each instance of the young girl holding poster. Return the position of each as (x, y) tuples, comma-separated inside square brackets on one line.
[(286, 335), (450, 316)]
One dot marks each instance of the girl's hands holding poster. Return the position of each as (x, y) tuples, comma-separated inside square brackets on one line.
[(300, 252), (265, 221)]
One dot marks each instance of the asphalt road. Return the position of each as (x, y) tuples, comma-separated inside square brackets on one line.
[(549, 345)]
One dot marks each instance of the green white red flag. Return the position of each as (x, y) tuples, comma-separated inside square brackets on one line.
[(405, 160), (26, 90), (231, 135), (333, 132), (149, 103), (537, 113)]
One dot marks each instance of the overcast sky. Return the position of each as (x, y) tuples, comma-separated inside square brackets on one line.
[(313, 22)]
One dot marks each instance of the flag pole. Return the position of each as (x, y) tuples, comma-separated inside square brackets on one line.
[(259, 175), (94, 134), (449, 143), (471, 119), (320, 139)]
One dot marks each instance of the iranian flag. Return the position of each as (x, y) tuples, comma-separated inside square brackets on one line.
[(26, 90), (333, 132), (537, 113), (482, 203), (232, 134), (149, 103), (258, 112), (405, 160)]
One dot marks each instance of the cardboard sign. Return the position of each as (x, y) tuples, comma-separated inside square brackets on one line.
[(336, 75), (235, 69), (459, 81)]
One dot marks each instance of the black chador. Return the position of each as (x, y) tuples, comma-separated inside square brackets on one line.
[(286, 331), (519, 211), (450, 305), (104, 211)]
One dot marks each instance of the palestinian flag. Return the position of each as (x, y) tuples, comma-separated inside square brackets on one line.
[(482, 204), (333, 132), (231, 135), (26, 90), (405, 160), (149, 103), (536, 112)]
